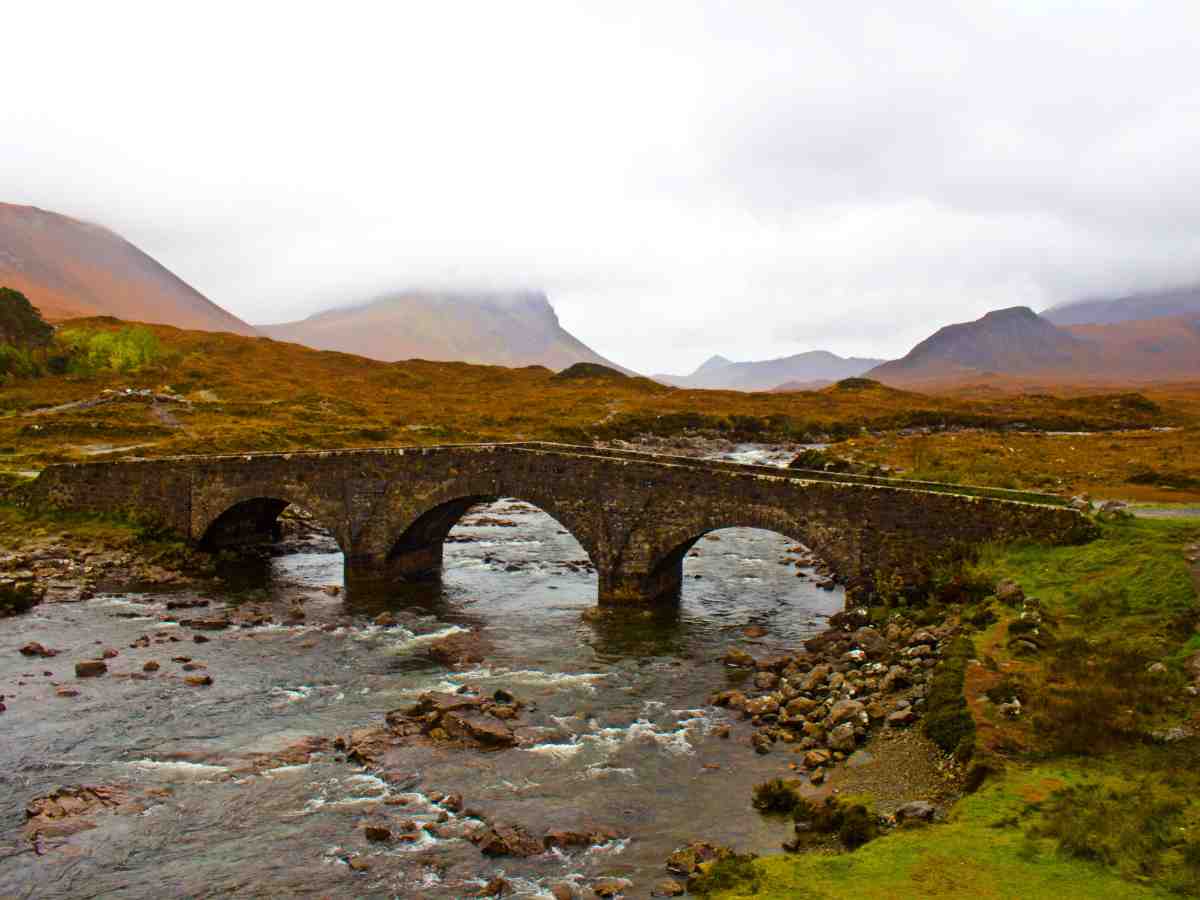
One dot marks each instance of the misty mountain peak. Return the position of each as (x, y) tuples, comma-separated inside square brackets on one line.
[(716, 361)]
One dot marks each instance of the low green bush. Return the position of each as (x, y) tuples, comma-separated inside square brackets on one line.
[(948, 722), (734, 871)]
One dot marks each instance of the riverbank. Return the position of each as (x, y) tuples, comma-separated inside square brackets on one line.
[(1082, 693)]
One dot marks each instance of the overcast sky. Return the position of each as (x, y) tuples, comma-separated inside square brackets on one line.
[(682, 179)]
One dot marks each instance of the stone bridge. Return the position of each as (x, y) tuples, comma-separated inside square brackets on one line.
[(635, 514)]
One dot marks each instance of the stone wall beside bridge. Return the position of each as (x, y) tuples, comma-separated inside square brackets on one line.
[(635, 514)]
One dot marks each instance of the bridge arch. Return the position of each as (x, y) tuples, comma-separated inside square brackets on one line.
[(416, 546), (662, 576), (252, 516)]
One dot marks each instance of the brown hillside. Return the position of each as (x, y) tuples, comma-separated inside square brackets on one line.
[(259, 394), (1016, 349), (68, 268)]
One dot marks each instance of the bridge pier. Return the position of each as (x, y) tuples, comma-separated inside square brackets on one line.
[(621, 588)]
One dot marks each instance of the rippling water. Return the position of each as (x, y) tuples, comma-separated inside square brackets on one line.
[(623, 734)]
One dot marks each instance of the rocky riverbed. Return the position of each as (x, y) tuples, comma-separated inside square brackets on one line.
[(257, 732)]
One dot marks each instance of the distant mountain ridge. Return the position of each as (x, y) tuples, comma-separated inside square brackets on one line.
[(69, 268), (1014, 340), (1183, 301), (517, 328), (1019, 342), (814, 368)]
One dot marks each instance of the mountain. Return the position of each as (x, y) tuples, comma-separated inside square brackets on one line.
[(1183, 301), (817, 367), (1019, 342), (68, 268), (491, 328), (1014, 340), (712, 363)]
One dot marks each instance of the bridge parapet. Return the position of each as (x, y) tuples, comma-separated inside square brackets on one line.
[(635, 514)]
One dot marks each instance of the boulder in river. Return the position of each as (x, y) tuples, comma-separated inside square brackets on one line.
[(90, 668), (505, 840), (33, 648)]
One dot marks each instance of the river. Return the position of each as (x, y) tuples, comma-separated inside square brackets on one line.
[(616, 733)]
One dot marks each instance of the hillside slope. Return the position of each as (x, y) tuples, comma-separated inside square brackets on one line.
[(1014, 340), (505, 329), (1018, 343), (68, 268), (814, 368)]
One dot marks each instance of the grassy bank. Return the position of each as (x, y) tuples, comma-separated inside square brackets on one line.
[(1141, 464), (1083, 800)]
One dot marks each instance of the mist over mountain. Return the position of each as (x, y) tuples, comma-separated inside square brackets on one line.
[(1181, 301), (815, 367), (492, 328), (69, 268)]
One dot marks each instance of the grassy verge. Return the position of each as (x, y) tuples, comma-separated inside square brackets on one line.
[(1083, 800)]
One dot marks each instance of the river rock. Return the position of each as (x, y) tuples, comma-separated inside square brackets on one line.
[(815, 678), (198, 680), (484, 730), (844, 710), (151, 665), (687, 860), (64, 811), (33, 648), (842, 738), (497, 887), (814, 759), (902, 717), (505, 840), (761, 741), (917, 810), (90, 668), (766, 681), (611, 887), (738, 658), (668, 888), (871, 641), (459, 649), (377, 833), (800, 707), (762, 706), (217, 624)]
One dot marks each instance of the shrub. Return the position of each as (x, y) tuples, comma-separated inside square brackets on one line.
[(733, 871), (21, 325), (128, 350), (775, 796), (852, 822), (948, 722), (17, 363), (1139, 829)]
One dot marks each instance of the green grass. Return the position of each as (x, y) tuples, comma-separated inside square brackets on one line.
[(1115, 817), (1133, 575), (968, 856)]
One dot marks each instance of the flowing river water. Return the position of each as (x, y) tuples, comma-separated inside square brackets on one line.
[(617, 732)]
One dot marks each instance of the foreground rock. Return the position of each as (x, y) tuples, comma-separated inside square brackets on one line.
[(823, 701), (69, 810)]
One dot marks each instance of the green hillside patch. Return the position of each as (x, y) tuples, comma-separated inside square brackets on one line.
[(989, 848)]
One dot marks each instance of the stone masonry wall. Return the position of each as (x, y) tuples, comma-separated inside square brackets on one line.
[(635, 515)]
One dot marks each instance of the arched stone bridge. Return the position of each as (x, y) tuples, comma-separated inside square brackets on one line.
[(635, 514)]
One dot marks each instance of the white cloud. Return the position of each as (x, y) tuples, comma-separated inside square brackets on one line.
[(752, 179)]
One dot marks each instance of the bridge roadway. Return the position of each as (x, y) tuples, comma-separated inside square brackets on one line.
[(635, 514)]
